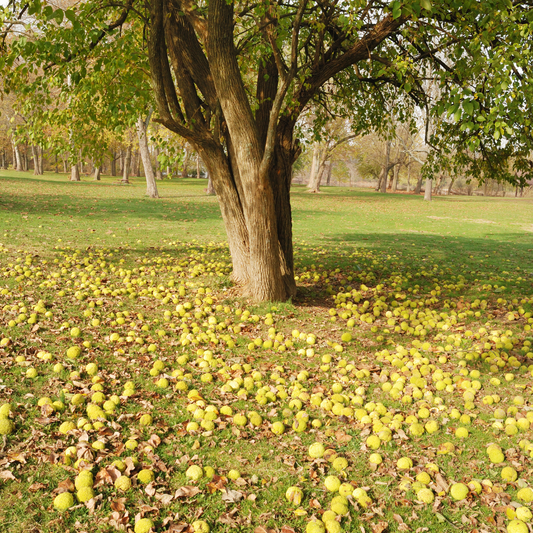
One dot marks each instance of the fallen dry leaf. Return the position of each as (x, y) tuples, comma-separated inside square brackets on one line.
[(186, 492), (6, 474), (232, 496)]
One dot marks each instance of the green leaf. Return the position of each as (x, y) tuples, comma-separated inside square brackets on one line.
[(70, 15), (426, 4)]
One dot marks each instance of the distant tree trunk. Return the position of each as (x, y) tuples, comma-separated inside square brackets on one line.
[(210, 188), (395, 178), (126, 166), (383, 178), (3, 158), (113, 163), (121, 161), (151, 186), (427, 193), (314, 185), (65, 166), (197, 166), (97, 170), (25, 164), (75, 173), (186, 159), (409, 177), (37, 166), (326, 169), (56, 169), (138, 161), (418, 187), (158, 173), (18, 158), (450, 187)]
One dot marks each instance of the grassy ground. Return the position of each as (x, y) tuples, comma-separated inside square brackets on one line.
[(413, 321)]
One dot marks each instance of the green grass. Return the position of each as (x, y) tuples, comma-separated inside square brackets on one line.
[(437, 291)]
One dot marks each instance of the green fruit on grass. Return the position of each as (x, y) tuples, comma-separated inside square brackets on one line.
[(123, 483), (194, 472), (73, 352), (200, 526), (6, 426), (316, 450), (143, 525), (459, 491), (294, 495), (525, 495), (145, 476), (517, 526), (85, 494), (63, 501)]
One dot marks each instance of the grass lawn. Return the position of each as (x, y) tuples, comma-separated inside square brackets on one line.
[(125, 353)]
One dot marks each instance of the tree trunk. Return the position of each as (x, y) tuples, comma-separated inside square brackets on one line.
[(395, 178), (385, 169), (409, 178), (97, 170), (450, 187), (186, 159), (18, 158), (158, 173), (427, 193), (126, 166), (197, 166), (151, 186), (418, 187), (75, 173), (113, 163), (3, 159), (37, 162), (210, 191), (316, 166)]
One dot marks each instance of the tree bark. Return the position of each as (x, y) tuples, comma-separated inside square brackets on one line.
[(186, 159), (428, 190), (210, 191), (158, 173), (126, 166), (37, 161), (314, 185), (97, 170), (418, 187), (113, 163), (151, 185), (395, 178), (75, 173), (384, 177), (18, 158), (450, 187)]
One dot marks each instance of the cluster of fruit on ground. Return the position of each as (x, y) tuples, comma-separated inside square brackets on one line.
[(138, 393)]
